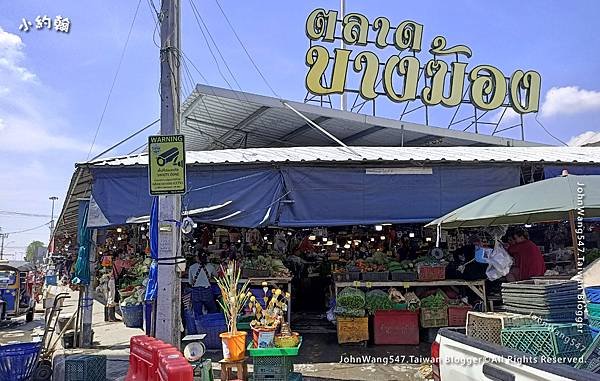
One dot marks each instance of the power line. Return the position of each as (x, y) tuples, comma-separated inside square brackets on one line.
[(28, 230), (114, 81), (246, 50), (548, 132), (126, 139), (23, 214)]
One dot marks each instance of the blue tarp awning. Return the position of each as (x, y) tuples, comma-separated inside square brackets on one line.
[(554, 171), (296, 196)]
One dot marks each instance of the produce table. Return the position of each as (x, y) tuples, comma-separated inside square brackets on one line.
[(477, 286), (274, 282)]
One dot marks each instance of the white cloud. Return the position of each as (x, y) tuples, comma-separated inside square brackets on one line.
[(509, 116), (570, 100), (584, 138), (31, 115)]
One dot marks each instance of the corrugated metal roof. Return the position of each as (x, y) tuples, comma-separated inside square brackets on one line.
[(215, 118), (377, 154)]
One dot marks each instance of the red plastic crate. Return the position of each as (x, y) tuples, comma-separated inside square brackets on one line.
[(457, 315), (396, 327), (429, 273)]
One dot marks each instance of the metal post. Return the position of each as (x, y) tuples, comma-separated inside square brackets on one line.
[(88, 299), (168, 314), (51, 243), (344, 101), (2, 236)]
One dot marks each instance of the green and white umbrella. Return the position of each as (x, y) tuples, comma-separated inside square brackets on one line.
[(555, 199)]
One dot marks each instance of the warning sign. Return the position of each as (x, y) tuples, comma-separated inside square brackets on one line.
[(166, 164)]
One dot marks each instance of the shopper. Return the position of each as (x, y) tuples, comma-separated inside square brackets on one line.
[(199, 277), (528, 259)]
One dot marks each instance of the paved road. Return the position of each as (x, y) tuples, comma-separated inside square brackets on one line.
[(17, 330)]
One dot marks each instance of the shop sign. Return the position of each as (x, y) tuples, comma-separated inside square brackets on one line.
[(166, 164), (443, 79)]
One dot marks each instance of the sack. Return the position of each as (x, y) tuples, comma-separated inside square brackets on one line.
[(499, 261)]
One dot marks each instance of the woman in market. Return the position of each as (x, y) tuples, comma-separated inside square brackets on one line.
[(200, 274), (528, 259)]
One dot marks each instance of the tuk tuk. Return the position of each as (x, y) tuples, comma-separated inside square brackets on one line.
[(16, 290)]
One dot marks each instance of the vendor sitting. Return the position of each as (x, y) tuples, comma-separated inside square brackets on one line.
[(200, 274), (528, 259)]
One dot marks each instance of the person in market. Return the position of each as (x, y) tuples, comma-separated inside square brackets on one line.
[(527, 257), (200, 274)]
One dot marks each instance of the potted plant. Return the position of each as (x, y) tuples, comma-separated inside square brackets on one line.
[(267, 319), (234, 298)]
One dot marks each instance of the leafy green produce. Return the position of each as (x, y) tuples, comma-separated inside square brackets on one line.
[(437, 300), (351, 298), (349, 312), (378, 300)]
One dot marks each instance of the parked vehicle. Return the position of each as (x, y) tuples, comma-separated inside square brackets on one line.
[(16, 290), (457, 356)]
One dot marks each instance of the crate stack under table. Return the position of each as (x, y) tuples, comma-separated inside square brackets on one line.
[(274, 364), (552, 301)]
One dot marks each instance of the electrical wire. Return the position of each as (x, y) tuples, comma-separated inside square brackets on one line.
[(548, 132), (28, 230), (246, 50), (114, 81), (23, 214)]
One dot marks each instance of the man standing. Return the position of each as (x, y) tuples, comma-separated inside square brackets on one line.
[(528, 259), (199, 277)]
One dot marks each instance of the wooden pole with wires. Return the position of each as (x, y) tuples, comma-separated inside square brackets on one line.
[(168, 315)]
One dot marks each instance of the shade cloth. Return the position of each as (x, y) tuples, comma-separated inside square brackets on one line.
[(82, 266)]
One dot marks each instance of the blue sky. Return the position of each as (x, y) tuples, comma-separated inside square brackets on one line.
[(53, 86)]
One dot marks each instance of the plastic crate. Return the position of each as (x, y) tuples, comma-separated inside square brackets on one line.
[(85, 368), (352, 330), (396, 327), (457, 315), (487, 326), (17, 361), (212, 325), (593, 294), (346, 277), (271, 352), (272, 368), (554, 315), (430, 273), (591, 357), (375, 276), (593, 309), (549, 340), (594, 321), (133, 316), (434, 317), (594, 331), (404, 276)]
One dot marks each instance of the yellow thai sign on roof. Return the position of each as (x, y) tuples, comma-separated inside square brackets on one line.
[(166, 164)]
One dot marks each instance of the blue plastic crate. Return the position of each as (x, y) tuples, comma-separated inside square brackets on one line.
[(17, 361), (190, 322), (593, 294), (85, 368), (594, 332), (212, 325)]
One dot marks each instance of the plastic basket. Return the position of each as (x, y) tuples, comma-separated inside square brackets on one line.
[(457, 315), (594, 321), (591, 358), (17, 361), (346, 277), (352, 330), (594, 309), (271, 352), (133, 316), (434, 317), (549, 340), (85, 368), (593, 294), (487, 326), (375, 276), (403, 276), (396, 327), (594, 331), (212, 325), (430, 273), (277, 368)]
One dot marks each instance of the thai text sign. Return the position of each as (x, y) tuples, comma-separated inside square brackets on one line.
[(399, 78), (166, 164)]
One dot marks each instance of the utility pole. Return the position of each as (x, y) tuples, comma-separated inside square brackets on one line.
[(2, 237), (168, 314), (53, 199)]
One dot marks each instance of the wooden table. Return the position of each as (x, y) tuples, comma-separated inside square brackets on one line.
[(274, 282), (477, 286)]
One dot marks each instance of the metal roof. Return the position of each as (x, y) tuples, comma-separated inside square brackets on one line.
[(215, 118), (580, 155)]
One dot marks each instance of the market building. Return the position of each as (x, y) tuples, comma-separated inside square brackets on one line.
[(308, 215)]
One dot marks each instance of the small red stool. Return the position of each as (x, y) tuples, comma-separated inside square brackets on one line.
[(240, 366)]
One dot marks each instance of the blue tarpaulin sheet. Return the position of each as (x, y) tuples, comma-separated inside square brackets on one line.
[(554, 171), (304, 196)]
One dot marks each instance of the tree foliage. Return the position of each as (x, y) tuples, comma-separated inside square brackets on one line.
[(32, 250)]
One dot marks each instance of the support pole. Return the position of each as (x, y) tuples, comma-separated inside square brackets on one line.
[(168, 314), (343, 99), (88, 298)]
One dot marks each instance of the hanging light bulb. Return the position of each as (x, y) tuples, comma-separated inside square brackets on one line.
[(119, 238), (289, 233), (382, 238), (378, 228), (119, 230), (428, 239), (411, 235), (265, 238), (349, 242), (329, 243), (142, 228), (372, 239), (194, 241), (210, 242), (239, 241), (347, 246), (324, 239), (312, 237)]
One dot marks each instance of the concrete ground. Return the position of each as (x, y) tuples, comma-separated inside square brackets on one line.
[(321, 358)]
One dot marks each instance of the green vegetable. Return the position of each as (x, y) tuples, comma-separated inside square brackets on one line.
[(437, 300), (349, 312), (351, 298), (378, 300)]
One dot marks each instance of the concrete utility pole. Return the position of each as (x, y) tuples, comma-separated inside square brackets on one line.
[(2, 237), (168, 314), (51, 245)]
